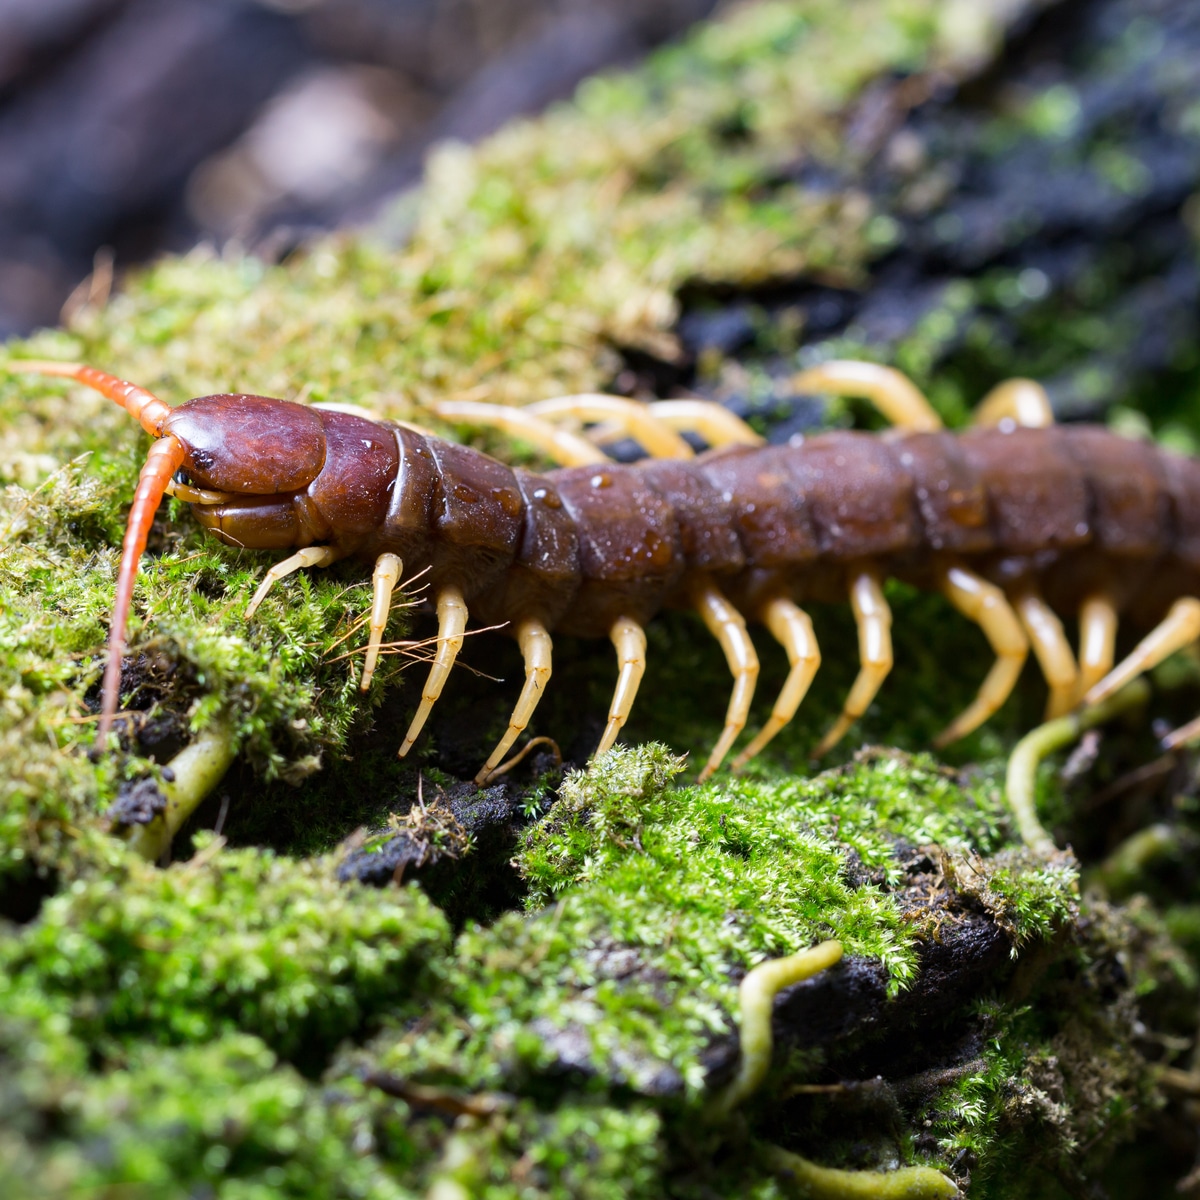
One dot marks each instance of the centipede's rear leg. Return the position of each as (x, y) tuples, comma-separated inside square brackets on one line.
[(986, 605), (1179, 628), (892, 392), (452, 626), (1052, 650), (537, 651), (792, 628), (874, 620)]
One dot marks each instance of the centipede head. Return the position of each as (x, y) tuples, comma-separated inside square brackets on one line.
[(237, 447)]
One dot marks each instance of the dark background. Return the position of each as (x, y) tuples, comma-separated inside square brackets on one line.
[(128, 127)]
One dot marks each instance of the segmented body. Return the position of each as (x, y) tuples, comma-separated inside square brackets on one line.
[(1069, 507), (1017, 522)]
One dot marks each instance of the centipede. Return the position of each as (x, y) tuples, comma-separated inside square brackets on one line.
[(1019, 522)]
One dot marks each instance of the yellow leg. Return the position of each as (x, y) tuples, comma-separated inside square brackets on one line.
[(874, 620), (793, 629), (1053, 652), (726, 625), (1021, 401), (1179, 628), (1183, 735), (712, 421), (985, 604), (310, 556), (1097, 640), (536, 649), (452, 624), (894, 394), (383, 582), (629, 416), (630, 641), (556, 444)]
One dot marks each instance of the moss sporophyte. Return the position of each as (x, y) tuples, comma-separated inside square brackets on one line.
[(564, 988)]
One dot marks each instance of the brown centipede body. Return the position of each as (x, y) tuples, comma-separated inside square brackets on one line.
[(1017, 521)]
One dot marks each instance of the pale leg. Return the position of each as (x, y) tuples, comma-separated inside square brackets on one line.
[(1021, 401), (1052, 650), (986, 605), (629, 639), (874, 620), (894, 394), (630, 417), (383, 583), (725, 623), (792, 628), (536, 649), (712, 421), (1179, 628), (556, 444), (310, 556), (452, 624), (1097, 640)]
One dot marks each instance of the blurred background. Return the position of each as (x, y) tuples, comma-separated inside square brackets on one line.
[(129, 127)]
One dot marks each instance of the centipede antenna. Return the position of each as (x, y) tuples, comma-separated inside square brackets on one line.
[(143, 406), (165, 458)]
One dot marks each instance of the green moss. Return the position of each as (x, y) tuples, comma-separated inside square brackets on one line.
[(221, 1119), (230, 940), (658, 900), (1029, 896), (583, 1149), (143, 1009), (1060, 1082)]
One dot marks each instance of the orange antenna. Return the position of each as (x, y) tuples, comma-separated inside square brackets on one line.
[(140, 404), (164, 459)]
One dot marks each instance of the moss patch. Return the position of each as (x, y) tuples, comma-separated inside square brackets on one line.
[(161, 1028)]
